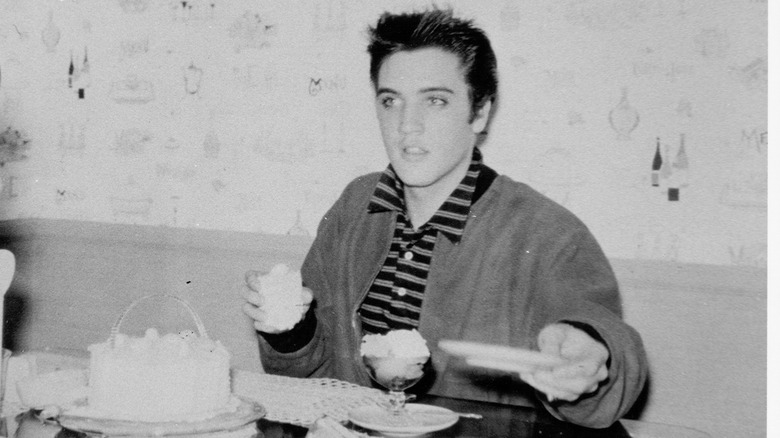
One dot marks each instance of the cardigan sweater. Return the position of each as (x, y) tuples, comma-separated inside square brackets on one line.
[(523, 262)]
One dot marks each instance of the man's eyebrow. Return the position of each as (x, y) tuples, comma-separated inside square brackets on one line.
[(437, 89), (448, 90)]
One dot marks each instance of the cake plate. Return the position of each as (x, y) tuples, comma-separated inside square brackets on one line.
[(247, 412)]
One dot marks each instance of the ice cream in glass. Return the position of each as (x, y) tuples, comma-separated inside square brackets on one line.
[(396, 361)]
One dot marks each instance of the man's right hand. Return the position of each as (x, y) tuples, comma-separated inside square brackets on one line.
[(274, 313)]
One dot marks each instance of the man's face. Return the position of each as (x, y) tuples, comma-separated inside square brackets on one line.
[(424, 112)]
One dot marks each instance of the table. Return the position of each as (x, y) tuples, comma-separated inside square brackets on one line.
[(498, 421)]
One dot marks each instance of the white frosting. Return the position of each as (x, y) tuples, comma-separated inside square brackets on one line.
[(395, 343), (281, 280), (158, 378), (58, 388), (282, 297)]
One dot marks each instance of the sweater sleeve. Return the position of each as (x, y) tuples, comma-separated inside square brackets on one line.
[(303, 352), (584, 288)]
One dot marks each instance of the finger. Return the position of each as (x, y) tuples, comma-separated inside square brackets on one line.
[(262, 327), (253, 311), (579, 344), (307, 296), (258, 316), (602, 373), (265, 328), (551, 338), (252, 279), (549, 390), (252, 297), (571, 386), (588, 368)]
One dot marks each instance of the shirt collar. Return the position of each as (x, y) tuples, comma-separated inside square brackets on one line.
[(451, 217)]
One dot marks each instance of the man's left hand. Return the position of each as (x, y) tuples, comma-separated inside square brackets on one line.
[(584, 370)]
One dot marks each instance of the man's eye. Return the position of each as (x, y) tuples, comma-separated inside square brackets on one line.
[(387, 101), (437, 101)]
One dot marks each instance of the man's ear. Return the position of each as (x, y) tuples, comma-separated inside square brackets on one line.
[(479, 123)]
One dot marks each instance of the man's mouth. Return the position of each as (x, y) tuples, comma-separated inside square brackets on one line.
[(413, 150)]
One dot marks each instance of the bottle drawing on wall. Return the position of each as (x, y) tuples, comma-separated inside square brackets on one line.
[(657, 162), (192, 78), (679, 172), (680, 164), (298, 229), (624, 118), (50, 34), (84, 76), (71, 71)]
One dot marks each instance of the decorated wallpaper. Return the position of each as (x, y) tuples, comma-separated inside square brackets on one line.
[(647, 118)]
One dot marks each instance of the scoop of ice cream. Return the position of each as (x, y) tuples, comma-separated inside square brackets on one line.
[(395, 343)]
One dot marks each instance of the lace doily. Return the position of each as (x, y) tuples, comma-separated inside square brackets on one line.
[(303, 401)]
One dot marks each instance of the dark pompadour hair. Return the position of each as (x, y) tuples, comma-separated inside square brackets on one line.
[(438, 28)]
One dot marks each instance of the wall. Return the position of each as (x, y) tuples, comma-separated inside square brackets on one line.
[(704, 328), (251, 115)]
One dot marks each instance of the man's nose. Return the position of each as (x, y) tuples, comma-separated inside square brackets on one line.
[(411, 120)]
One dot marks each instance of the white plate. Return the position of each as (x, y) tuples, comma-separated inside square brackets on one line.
[(421, 419), (500, 357)]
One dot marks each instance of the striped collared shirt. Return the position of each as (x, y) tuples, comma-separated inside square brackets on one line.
[(395, 297)]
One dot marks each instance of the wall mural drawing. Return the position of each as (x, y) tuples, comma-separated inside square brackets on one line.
[(132, 141), (257, 92), (50, 35), (623, 118), (72, 137), (134, 6), (251, 31), (132, 90), (192, 79), (754, 75), (14, 143), (747, 182)]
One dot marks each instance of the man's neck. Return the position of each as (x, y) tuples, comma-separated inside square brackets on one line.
[(423, 202), (420, 207)]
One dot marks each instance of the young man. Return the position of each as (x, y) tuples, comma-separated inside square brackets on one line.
[(441, 243)]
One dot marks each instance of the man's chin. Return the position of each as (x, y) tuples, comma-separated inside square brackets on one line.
[(415, 181)]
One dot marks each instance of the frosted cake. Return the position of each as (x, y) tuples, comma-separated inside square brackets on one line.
[(159, 378)]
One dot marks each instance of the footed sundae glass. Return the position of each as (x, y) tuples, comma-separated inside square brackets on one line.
[(396, 374), (396, 361)]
